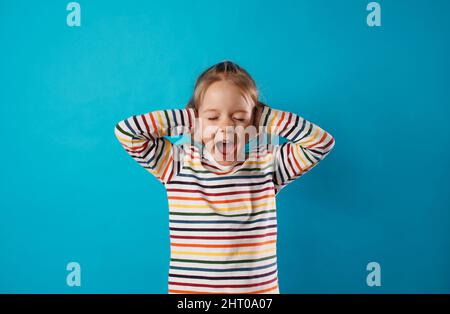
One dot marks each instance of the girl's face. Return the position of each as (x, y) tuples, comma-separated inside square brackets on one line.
[(226, 117)]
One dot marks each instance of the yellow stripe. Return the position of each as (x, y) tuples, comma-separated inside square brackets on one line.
[(313, 138), (297, 155), (224, 253), (153, 172), (165, 155), (271, 122), (306, 163), (161, 123), (130, 141)]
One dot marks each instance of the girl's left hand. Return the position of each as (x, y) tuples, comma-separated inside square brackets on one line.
[(258, 111)]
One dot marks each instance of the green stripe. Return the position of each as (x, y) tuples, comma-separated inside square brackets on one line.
[(221, 262), (215, 214), (124, 132)]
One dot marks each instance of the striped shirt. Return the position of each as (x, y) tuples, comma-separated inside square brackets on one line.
[(223, 219)]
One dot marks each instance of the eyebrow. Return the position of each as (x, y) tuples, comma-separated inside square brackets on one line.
[(245, 111), (210, 110)]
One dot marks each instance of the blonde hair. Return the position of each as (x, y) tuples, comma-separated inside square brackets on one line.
[(225, 71)]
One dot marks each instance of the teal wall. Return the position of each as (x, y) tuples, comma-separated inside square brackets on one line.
[(70, 193)]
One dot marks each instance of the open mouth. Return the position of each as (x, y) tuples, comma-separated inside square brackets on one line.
[(225, 147)]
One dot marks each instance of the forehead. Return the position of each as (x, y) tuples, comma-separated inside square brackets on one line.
[(223, 95)]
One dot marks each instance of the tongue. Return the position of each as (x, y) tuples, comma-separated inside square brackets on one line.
[(225, 148)]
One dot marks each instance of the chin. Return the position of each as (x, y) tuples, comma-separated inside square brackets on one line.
[(226, 163)]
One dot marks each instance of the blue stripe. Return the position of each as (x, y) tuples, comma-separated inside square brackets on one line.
[(295, 137), (129, 126)]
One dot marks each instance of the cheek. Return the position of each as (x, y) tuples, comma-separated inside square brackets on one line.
[(208, 131), (244, 130)]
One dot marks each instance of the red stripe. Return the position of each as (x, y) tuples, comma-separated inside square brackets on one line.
[(146, 126), (324, 136), (138, 149), (289, 120), (329, 143), (171, 173), (295, 160), (223, 286), (289, 147), (219, 194)]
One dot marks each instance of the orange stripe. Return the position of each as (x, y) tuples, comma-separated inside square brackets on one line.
[(220, 201), (168, 166), (133, 148), (222, 245), (164, 156), (324, 136), (197, 292), (295, 160), (154, 124), (267, 290), (281, 119)]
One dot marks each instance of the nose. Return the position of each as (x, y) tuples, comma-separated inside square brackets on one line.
[(226, 127), (225, 122)]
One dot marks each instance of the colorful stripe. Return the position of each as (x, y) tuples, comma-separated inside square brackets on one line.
[(222, 220)]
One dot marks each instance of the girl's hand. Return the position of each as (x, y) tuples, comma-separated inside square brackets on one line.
[(258, 111), (197, 127)]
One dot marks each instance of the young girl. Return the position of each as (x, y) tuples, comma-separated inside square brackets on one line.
[(221, 192)]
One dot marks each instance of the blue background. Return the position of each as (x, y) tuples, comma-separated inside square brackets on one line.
[(69, 192)]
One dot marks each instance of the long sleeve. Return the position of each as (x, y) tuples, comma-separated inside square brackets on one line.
[(307, 144), (143, 138)]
